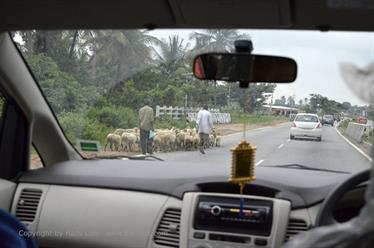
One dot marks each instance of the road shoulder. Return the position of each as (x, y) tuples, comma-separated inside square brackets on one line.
[(367, 156)]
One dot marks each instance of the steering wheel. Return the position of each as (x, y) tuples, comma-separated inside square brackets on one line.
[(325, 214)]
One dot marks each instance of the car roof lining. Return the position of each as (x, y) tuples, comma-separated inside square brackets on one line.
[(355, 15)]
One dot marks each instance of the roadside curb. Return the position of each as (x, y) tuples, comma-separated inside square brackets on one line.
[(354, 146)]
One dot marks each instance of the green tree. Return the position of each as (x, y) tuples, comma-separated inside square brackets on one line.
[(283, 101), (127, 51), (278, 102), (217, 40), (346, 106), (251, 99), (291, 101), (62, 90), (171, 54), (114, 117)]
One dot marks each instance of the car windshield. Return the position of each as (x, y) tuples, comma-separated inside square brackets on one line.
[(306, 118), (128, 92), (328, 116)]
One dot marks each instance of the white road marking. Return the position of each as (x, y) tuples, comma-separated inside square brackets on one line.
[(288, 140), (280, 146), (354, 146), (259, 162)]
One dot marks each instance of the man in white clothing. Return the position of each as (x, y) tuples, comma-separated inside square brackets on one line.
[(204, 123)]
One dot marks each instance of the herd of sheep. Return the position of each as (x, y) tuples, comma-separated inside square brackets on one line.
[(165, 140)]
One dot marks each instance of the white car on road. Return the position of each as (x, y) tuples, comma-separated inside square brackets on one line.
[(306, 126)]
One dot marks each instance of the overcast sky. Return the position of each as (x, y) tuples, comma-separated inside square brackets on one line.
[(317, 54)]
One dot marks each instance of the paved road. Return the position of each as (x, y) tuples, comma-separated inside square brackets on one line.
[(275, 148)]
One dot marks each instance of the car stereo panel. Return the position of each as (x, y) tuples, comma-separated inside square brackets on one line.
[(221, 220)]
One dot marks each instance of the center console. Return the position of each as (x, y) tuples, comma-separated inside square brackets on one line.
[(221, 221)]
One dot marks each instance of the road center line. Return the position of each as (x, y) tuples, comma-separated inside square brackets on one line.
[(280, 146), (259, 162)]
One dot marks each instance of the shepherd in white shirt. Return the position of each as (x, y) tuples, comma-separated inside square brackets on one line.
[(204, 123)]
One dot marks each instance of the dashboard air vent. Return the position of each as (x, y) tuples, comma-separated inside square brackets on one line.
[(167, 233), (296, 226), (27, 204)]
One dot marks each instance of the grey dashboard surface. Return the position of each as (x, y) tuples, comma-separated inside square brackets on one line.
[(301, 187)]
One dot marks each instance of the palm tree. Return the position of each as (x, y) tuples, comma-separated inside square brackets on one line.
[(171, 54), (171, 50), (216, 40), (121, 52), (131, 50)]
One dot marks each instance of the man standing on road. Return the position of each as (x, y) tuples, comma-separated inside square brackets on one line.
[(146, 119), (204, 123)]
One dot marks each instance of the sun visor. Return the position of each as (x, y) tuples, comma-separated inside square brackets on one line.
[(84, 14), (254, 13)]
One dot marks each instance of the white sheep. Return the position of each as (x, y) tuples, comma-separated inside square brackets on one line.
[(212, 140), (119, 131), (168, 139), (218, 140), (180, 140), (113, 139), (165, 140), (129, 141), (157, 143), (188, 141), (196, 140)]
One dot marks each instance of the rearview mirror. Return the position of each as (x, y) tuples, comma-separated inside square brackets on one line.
[(244, 68)]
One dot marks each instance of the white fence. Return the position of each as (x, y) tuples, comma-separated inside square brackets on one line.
[(191, 114), (218, 118)]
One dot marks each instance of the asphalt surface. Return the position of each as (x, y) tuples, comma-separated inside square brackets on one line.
[(275, 148)]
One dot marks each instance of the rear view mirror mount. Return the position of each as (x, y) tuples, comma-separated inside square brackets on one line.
[(245, 68)]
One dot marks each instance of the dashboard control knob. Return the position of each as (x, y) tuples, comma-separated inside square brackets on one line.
[(216, 210)]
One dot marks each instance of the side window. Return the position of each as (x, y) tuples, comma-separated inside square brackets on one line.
[(14, 140), (35, 160), (2, 101), (2, 110)]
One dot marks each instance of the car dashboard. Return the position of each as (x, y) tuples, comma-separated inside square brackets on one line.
[(149, 204)]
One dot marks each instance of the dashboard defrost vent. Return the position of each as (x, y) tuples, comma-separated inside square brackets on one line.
[(295, 226), (27, 204), (167, 233)]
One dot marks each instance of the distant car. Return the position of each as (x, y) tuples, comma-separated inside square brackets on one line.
[(306, 126), (328, 119)]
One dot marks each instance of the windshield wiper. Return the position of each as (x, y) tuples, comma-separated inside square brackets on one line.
[(125, 157), (304, 167)]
